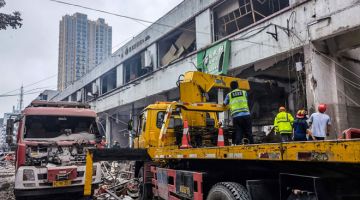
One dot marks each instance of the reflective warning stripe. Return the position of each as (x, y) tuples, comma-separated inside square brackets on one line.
[(220, 138), (210, 155)]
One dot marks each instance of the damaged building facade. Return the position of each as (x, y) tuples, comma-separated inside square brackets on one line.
[(297, 53)]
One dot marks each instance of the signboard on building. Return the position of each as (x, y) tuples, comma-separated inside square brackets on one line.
[(214, 60)]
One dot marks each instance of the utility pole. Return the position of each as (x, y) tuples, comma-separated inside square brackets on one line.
[(21, 98)]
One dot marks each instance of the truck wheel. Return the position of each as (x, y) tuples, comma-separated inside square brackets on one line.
[(144, 189), (228, 191)]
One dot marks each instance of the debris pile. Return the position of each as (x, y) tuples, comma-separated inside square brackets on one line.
[(118, 182), (7, 177)]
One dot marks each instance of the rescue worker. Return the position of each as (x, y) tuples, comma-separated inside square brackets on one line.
[(320, 123), (300, 126), (239, 109), (283, 124)]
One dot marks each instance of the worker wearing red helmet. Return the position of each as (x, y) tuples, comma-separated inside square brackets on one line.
[(320, 123), (300, 126)]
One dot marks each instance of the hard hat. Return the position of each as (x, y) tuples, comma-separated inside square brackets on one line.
[(282, 108), (322, 108), (300, 114)]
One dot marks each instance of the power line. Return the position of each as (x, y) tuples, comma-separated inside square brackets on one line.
[(41, 88), (348, 97), (111, 13), (138, 20), (30, 84), (31, 91), (342, 66), (13, 95), (348, 81), (149, 22)]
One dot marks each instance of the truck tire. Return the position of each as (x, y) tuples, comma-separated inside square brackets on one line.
[(228, 191), (144, 189)]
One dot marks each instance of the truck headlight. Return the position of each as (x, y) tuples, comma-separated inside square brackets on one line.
[(28, 175)]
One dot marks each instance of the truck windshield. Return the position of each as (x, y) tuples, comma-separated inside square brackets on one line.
[(62, 127)]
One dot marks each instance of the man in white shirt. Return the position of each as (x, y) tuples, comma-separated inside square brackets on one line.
[(320, 123)]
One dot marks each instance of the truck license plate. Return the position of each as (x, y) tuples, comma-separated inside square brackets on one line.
[(61, 183)]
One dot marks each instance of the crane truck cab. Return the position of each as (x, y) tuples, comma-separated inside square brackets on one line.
[(52, 141), (161, 123)]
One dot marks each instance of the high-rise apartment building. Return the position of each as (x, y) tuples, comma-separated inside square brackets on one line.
[(83, 44)]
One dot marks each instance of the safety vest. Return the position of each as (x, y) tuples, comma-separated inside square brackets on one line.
[(238, 101), (283, 123)]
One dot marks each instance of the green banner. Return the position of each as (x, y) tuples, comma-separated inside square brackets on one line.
[(214, 60)]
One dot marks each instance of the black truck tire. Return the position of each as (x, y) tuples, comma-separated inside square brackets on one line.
[(144, 189), (228, 191)]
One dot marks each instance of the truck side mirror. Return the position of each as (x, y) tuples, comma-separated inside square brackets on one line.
[(9, 131)]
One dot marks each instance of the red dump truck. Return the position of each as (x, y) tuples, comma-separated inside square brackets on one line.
[(52, 141)]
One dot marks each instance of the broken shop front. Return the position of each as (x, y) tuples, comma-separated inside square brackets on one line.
[(177, 44), (274, 82), (168, 49)]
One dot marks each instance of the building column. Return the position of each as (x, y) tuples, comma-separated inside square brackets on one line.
[(83, 95), (97, 85), (119, 75), (131, 132), (324, 86), (108, 130)]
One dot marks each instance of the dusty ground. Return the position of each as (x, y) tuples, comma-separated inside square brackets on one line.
[(7, 178), (120, 171)]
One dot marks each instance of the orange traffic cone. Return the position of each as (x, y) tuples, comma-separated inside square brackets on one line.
[(186, 137), (220, 141)]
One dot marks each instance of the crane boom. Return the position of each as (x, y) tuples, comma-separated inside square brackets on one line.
[(195, 85)]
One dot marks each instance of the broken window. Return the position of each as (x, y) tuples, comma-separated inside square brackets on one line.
[(273, 84), (137, 66), (66, 99), (62, 127), (108, 81), (178, 43), (234, 15), (73, 96), (88, 92)]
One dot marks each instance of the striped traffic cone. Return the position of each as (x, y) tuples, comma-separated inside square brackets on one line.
[(186, 137), (220, 141)]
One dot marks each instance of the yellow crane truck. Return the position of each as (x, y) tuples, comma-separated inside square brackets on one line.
[(314, 170)]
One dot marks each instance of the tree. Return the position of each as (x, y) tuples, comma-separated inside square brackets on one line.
[(13, 20)]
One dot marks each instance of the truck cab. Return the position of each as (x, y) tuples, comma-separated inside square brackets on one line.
[(52, 141), (161, 124), (149, 125)]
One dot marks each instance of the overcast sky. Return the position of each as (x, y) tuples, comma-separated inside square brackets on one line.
[(30, 54)]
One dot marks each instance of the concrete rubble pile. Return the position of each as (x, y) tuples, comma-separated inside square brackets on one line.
[(7, 178), (118, 182)]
